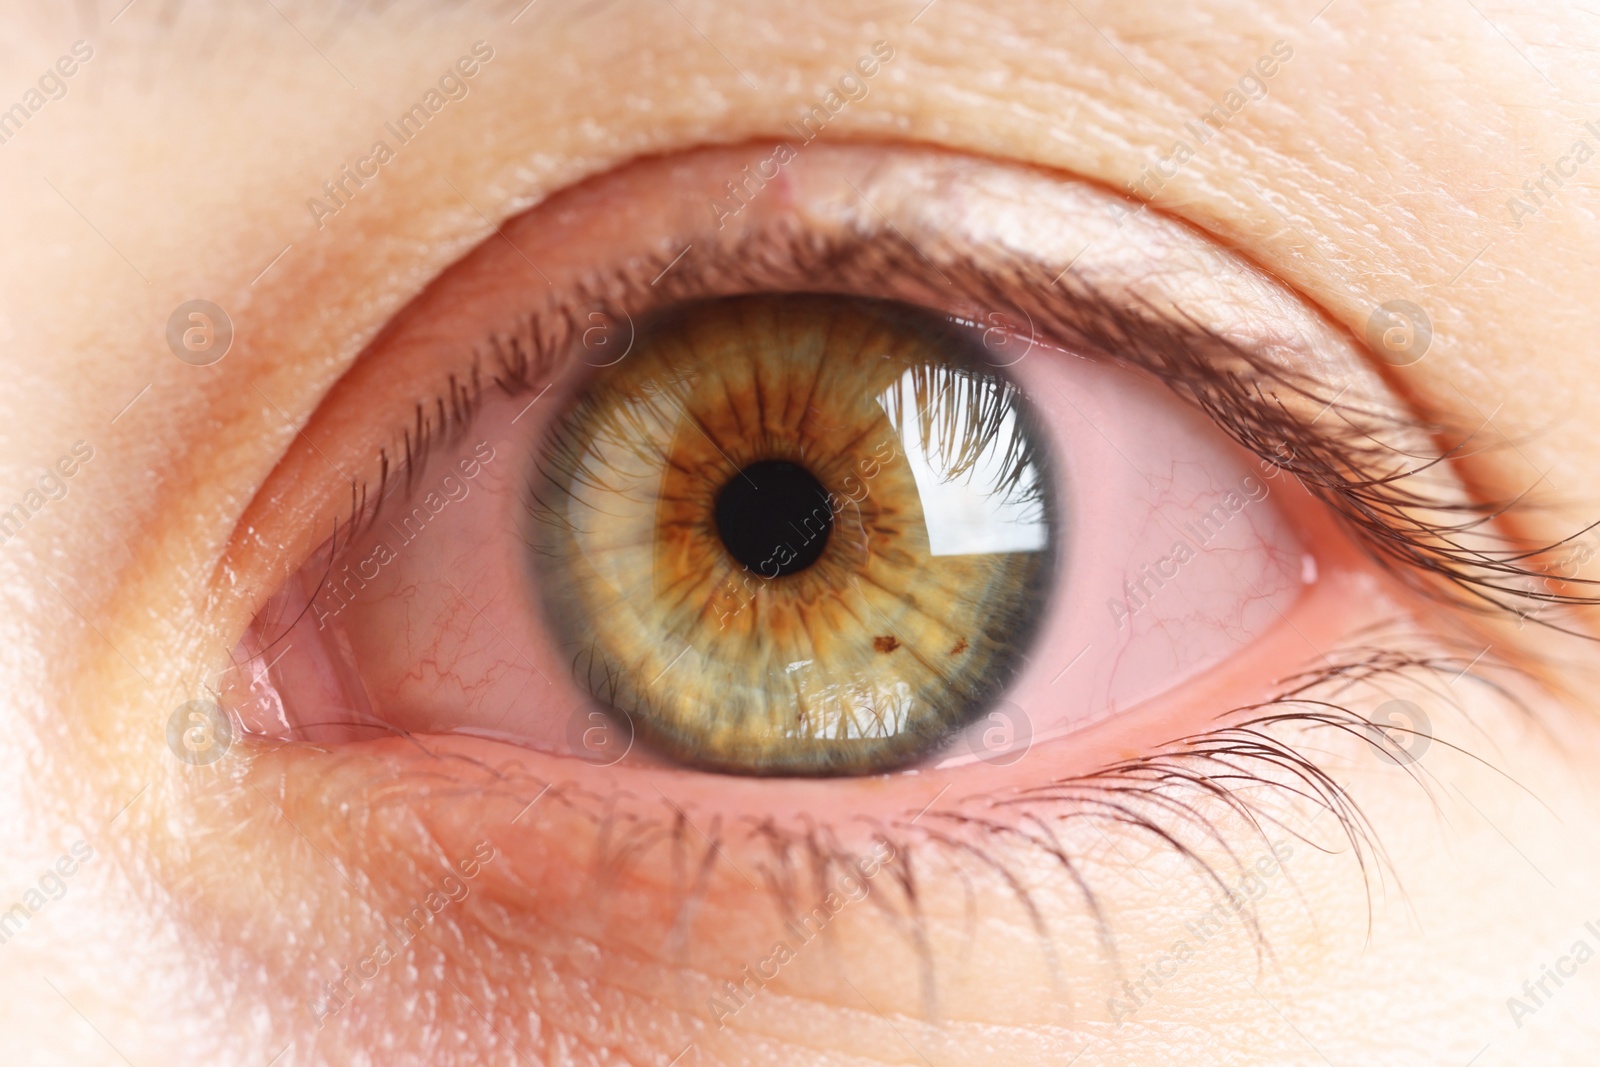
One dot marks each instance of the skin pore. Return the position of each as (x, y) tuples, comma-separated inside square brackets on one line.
[(1379, 165)]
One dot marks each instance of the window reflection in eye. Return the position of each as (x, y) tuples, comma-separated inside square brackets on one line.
[(786, 533)]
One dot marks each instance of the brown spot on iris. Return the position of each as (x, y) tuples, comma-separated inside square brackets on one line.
[(960, 647), (885, 643)]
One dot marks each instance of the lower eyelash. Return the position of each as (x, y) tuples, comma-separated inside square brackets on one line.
[(1241, 766), (1161, 797)]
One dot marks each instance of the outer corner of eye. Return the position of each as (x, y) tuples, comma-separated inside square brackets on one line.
[(787, 528)]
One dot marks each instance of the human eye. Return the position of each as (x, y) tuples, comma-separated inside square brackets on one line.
[(894, 511), (806, 523)]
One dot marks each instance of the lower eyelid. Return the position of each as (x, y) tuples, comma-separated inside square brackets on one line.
[(649, 902)]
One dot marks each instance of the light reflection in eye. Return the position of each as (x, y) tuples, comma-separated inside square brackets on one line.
[(966, 515)]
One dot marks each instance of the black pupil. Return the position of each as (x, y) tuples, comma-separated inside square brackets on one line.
[(774, 517)]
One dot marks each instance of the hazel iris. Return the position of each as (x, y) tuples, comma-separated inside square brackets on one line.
[(795, 534)]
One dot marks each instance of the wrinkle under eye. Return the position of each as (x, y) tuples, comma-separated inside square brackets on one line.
[(795, 535)]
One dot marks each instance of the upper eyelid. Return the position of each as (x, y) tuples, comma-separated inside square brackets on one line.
[(1188, 356), (1259, 359)]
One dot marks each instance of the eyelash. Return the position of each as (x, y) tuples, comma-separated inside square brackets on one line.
[(1352, 464), (1239, 766)]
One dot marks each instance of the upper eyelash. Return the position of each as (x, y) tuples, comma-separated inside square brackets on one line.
[(1375, 486), (1367, 464)]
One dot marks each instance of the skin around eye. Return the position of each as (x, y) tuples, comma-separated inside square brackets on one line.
[(252, 894), (416, 649)]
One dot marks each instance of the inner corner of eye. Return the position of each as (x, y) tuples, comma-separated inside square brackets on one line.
[(790, 535)]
